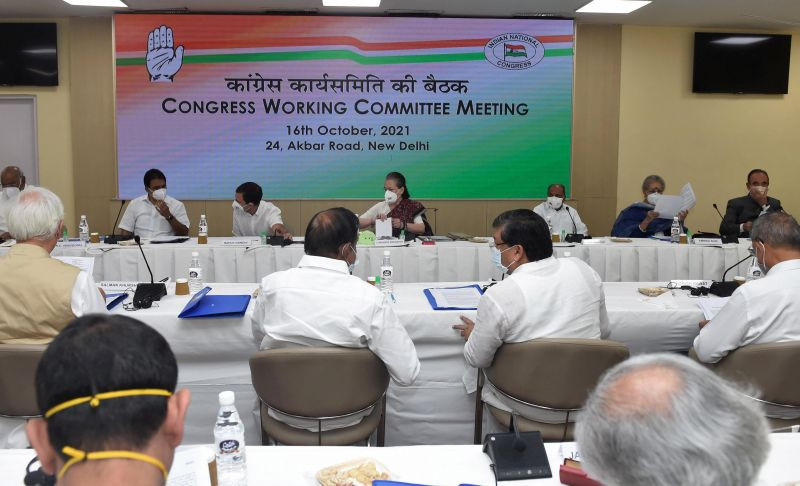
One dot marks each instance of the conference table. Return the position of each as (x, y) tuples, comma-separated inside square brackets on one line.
[(439, 407), (242, 260), (441, 465)]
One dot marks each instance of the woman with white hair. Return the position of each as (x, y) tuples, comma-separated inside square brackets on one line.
[(640, 219), (39, 295)]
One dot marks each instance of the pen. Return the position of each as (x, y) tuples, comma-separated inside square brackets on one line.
[(164, 279), (393, 299)]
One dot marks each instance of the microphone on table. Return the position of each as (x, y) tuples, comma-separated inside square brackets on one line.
[(573, 237), (725, 238), (723, 288), (147, 293), (113, 238)]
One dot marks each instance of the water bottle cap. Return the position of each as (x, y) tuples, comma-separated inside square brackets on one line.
[(83, 216), (386, 253), (226, 398), (202, 215), (194, 254)]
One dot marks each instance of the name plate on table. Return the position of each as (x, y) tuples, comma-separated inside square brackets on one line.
[(70, 244), (707, 241), (117, 286), (241, 242), (689, 283)]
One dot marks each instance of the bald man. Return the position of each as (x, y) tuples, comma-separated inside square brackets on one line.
[(13, 180), (663, 419)]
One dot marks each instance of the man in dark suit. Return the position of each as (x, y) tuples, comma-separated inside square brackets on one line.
[(742, 211)]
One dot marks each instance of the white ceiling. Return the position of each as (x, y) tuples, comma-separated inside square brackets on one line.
[(745, 14)]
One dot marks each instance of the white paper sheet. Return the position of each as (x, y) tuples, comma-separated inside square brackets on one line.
[(668, 207), (84, 263), (712, 305), (190, 467), (464, 297), (383, 228)]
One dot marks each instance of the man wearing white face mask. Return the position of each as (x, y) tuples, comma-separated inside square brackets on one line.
[(155, 214), (252, 216), (563, 217), (742, 211), (764, 310), (542, 297), (319, 303), (13, 181)]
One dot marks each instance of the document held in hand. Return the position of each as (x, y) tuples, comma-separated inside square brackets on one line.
[(454, 298), (204, 305)]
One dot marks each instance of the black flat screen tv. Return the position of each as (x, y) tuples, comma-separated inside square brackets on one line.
[(741, 63), (28, 54)]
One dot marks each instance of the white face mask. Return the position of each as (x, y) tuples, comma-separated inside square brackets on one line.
[(759, 189), (390, 197), (653, 198), (10, 192), (555, 202), (160, 194), (496, 254)]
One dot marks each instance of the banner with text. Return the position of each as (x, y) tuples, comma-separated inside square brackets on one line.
[(323, 107)]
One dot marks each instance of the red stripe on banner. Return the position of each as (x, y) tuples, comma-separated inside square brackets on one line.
[(244, 33)]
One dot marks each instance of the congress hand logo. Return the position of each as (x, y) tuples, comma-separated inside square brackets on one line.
[(163, 61)]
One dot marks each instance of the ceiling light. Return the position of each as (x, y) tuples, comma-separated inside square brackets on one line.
[(739, 40), (97, 3), (351, 3), (612, 6)]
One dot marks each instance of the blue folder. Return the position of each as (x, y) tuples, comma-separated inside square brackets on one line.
[(203, 305), (432, 301)]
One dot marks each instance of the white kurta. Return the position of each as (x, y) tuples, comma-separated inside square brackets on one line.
[(142, 218), (245, 224), (564, 220)]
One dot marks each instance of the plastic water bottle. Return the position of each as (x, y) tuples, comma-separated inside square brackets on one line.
[(675, 231), (229, 443), (549, 227), (83, 230), (754, 272), (202, 228), (387, 273), (195, 274)]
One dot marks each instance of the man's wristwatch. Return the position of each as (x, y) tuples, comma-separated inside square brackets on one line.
[(170, 217)]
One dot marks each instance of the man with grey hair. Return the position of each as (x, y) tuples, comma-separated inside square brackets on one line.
[(765, 310), (13, 182), (39, 295), (648, 423)]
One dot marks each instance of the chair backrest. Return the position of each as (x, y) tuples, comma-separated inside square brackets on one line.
[(318, 382), (17, 379), (553, 372), (774, 368)]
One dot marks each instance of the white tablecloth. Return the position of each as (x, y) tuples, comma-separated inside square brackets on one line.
[(444, 465), (213, 356), (642, 260)]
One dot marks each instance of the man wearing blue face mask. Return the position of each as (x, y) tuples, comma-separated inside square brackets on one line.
[(155, 214), (542, 297), (319, 303), (13, 181), (640, 219), (766, 310)]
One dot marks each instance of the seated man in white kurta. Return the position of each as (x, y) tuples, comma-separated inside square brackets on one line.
[(155, 214), (563, 218), (252, 216), (543, 297), (319, 303)]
